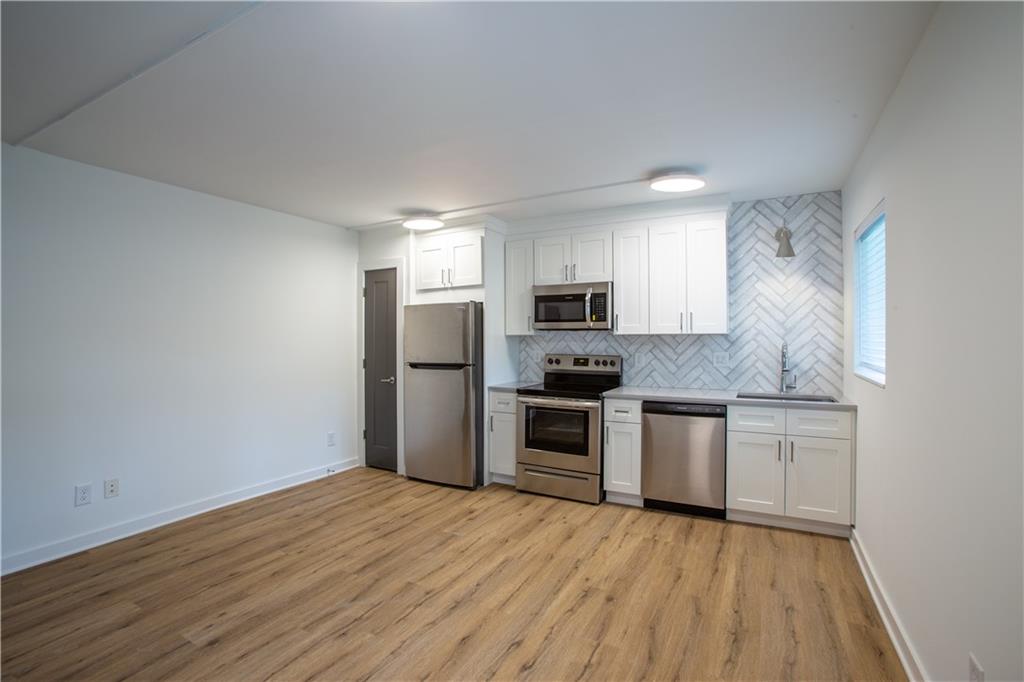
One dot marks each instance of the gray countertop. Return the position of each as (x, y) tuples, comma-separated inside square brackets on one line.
[(720, 397), (510, 386)]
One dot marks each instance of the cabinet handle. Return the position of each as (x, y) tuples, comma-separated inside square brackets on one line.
[(791, 445), (574, 272), (607, 435), (442, 276), (492, 423), (449, 276), (691, 323), (780, 446), (682, 322), (616, 322), (565, 274), (529, 321)]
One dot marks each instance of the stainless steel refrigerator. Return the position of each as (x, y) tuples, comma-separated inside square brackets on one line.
[(444, 439)]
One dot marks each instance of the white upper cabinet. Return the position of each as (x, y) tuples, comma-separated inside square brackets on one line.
[(707, 279), (431, 262), (581, 257), (449, 260), (668, 278), (552, 257), (591, 257), (519, 288), (630, 285)]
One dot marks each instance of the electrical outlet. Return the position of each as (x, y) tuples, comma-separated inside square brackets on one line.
[(111, 488), (721, 360), (331, 471), (975, 672), (331, 437), (83, 494)]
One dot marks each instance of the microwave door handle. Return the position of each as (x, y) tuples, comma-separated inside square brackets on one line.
[(586, 307)]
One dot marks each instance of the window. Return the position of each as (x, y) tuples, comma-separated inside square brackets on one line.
[(869, 299)]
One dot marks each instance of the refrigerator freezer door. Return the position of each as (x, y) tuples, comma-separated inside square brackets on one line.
[(441, 333), (440, 432)]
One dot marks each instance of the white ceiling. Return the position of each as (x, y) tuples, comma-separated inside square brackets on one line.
[(352, 113)]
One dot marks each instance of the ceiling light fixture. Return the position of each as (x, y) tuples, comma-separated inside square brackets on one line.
[(677, 182), (423, 222), (785, 250)]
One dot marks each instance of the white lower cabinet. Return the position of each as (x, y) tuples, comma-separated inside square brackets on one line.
[(503, 443), (788, 474), (818, 479), (756, 474), (622, 457)]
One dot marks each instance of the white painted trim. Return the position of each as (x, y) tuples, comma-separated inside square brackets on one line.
[(805, 525), (503, 479), (714, 203), (912, 665), (79, 543), (624, 498), (382, 264)]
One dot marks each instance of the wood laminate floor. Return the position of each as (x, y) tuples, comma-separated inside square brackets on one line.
[(365, 575)]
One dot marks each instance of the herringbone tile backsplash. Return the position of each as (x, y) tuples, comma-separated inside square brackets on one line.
[(771, 300)]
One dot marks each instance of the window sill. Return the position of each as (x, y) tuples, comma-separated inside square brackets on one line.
[(870, 376)]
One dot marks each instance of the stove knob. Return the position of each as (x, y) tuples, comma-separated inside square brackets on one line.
[(604, 363), (550, 361), (613, 363), (558, 361)]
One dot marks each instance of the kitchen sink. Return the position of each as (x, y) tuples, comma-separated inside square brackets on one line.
[(789, 396)]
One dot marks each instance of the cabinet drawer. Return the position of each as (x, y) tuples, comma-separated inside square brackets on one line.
[(622, 411), (756, 419), (503, 401), (818, 423)]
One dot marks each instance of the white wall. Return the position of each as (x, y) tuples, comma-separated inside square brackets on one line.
[(939, 452), (187, 345)]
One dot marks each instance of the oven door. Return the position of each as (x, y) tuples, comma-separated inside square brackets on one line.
[(561, 433)]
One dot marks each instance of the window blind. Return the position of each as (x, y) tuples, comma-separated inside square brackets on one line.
[(869, 358)]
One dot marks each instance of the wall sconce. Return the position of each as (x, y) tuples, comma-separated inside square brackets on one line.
[(782, 236)]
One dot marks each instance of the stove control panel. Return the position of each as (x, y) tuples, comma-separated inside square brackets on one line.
[(605, 364)]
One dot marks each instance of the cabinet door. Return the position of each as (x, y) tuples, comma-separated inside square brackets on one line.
[(755, 473), (519, 288), (432, 262), (551, 259), (707, 282), (465, 260), (503, 443), (631, 303), (818, 479), (667, 278), (591, 257), (622, 458)]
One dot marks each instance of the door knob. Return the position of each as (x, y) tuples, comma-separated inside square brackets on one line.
[(389, 380)]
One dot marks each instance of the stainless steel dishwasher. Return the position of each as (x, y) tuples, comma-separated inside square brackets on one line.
[(683, 461)]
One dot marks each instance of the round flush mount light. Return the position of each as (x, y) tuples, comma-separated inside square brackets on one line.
[(423, 222), (677, 182)]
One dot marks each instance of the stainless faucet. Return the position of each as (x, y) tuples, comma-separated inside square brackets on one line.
[(787, 378)]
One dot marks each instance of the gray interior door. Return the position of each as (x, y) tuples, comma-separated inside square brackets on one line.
[(380, 311)]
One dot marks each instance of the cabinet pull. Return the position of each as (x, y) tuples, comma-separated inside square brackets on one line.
[(780, 447), (607, 436), (449, 276), (529, 322), (616, 325), (492, 423), (565, 274), (682, 322), (442, 276), (574, 272), (791, 445), (691, 323)]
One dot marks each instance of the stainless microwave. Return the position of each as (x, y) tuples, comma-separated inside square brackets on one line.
[(573, 306)]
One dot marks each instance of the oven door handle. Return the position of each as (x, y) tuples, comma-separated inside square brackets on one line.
[(560, 402)]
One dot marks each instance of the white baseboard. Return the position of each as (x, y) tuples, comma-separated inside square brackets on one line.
[(78, 543), (904, 649), (624, 498)]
